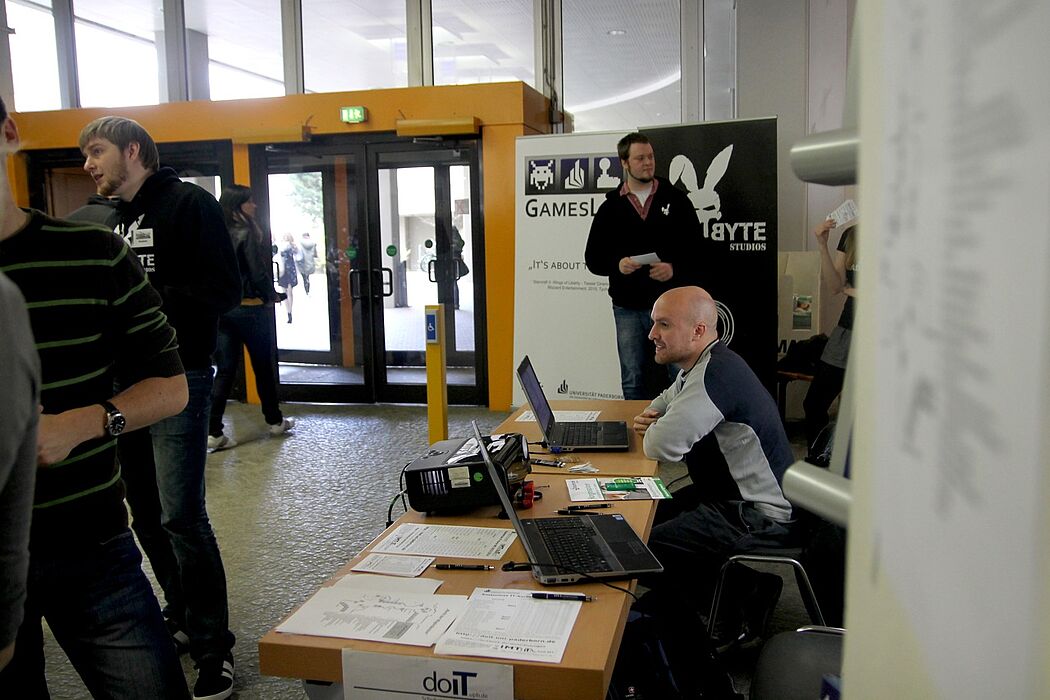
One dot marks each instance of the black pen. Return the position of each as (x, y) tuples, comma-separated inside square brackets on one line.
[(563, 596), (563, 511), (463, 567), (589, 507)]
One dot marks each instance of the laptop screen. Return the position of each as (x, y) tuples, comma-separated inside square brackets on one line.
[(530, 384), (499, 482)]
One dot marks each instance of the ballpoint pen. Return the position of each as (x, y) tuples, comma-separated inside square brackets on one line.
[(563, 596), (591, 506), (563, 511), (463, 567)]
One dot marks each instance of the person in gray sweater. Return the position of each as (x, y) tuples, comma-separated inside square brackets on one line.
[(720, 420)]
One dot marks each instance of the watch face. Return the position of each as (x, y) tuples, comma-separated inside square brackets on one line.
[(117, 422)]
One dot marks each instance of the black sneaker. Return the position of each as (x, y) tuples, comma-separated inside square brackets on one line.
[(178, 635), (214, 679)]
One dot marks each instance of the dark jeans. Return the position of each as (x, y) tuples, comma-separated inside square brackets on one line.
[(693, 539), (139, 471), (101, 609), (180, 447), (252, 327), (826, 385), (640, 376)]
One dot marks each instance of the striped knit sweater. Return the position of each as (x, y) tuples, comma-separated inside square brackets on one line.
[(96, 321)]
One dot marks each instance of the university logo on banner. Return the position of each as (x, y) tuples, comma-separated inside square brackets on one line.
[(728, 171)]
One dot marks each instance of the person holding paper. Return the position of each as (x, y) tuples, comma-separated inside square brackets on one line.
[(719, 418), (840, 271), (645, 239)]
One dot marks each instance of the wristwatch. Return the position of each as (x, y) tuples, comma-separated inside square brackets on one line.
[(115, 420)]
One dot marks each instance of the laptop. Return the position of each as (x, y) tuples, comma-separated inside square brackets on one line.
[(568, 436), (571, 548)]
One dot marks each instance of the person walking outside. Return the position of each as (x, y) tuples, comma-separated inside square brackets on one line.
[(307, 260), (287, 272)]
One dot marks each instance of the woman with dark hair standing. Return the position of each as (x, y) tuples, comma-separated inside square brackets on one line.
[(831, 370), (250, 324)]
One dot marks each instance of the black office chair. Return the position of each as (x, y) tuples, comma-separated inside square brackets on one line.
[(792, 665), (784, 556)]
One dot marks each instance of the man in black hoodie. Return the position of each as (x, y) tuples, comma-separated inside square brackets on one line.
[(178, 232), (647, 214)]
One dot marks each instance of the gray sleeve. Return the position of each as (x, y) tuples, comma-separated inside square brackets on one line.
[(19, 388), (690, 414)]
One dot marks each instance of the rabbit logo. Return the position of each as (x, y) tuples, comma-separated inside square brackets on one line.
[(705, 200)]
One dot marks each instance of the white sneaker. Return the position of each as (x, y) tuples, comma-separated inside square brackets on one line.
[(284, 426), (220, 443)]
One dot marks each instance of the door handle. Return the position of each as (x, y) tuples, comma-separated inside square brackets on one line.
[(355, 289), (431, 269), (387, 281)]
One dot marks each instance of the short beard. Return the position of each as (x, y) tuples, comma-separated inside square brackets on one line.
[(108, 186)]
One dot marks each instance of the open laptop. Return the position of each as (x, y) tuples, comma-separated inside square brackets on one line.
[(563, 437), (570, 548)]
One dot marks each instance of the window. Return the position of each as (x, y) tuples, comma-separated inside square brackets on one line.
[(354, 45), (244, 49), (623, 69), (118, 67), (483, 42), (34, 56)]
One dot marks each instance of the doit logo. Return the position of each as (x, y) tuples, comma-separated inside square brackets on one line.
[(455, 686)]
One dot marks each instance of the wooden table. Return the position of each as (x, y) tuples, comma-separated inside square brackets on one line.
[(586, 667)]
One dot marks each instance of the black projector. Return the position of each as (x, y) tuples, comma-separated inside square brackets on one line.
[(451, 476)]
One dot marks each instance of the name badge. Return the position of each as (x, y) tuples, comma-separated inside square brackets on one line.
[(142, 238)]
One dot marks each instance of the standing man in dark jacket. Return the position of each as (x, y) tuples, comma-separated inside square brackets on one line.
[(646, 215), (177, 231)]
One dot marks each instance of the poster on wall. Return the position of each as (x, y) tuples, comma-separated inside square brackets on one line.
[(729, 170), (562, 314)]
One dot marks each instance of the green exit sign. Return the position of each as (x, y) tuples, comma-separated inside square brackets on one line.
[(353, 115)]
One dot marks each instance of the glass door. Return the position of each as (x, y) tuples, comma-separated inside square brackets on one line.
[(366, 235)]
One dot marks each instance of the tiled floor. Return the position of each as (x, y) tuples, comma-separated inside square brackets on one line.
[(289, 511)]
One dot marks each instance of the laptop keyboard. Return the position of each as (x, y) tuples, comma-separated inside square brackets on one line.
[(579, 433), (571, 543)]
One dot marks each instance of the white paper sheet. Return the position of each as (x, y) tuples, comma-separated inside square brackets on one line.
[(370, 676), (448, 541), (647, 259), (387, 584), (399, 618), (844, 213), (511, 624), (563, 416), (393, 565)]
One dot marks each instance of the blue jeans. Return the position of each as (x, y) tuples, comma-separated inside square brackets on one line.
[(253, 327), (180, 447), (101, 609), (640, 376)]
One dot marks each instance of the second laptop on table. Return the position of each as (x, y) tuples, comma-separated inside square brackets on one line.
[(561, 437)]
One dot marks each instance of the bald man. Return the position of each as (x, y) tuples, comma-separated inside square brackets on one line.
[(719, 418)]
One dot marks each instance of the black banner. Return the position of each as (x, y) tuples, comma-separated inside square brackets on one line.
[(729, 171)]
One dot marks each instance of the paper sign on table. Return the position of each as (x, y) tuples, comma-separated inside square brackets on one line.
[(370, 676)]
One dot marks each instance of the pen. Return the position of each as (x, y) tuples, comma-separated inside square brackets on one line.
[(563, 511), (589, 507), (563, 596), (463, 567)]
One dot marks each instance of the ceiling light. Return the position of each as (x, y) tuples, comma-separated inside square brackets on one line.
[(617, 32)]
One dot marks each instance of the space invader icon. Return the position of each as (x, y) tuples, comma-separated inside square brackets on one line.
[(541, 174)]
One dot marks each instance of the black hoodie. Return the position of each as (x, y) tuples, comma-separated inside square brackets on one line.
[(178, 232)]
